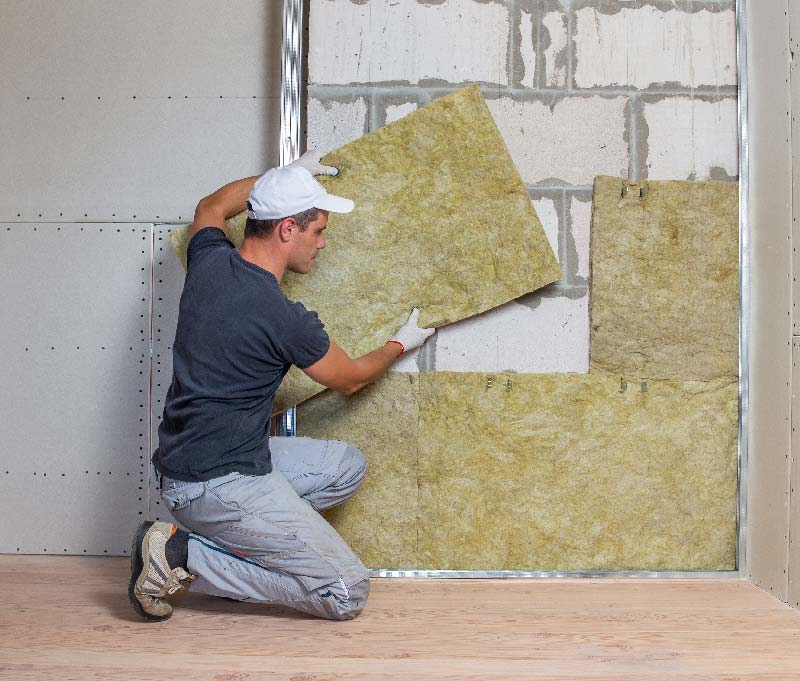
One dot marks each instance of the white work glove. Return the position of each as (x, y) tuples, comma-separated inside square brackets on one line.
[(410, 336), (311, 162)]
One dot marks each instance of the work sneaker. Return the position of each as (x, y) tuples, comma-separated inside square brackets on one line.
[(152, 578)]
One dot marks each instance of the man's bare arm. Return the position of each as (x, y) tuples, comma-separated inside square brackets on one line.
[(227, 201), (338, 371), (230, 200)]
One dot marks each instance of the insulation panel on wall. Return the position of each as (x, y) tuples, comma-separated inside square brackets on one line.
[(380, 522), (410, 181), (538, 472), (75, 377), (665, 279)]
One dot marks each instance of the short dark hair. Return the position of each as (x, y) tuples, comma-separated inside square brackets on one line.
[(261, 229)]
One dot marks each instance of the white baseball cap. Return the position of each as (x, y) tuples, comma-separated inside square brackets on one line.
[(286, 191)]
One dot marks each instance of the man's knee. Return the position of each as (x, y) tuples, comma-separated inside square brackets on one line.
[(350, 602), (353, 467)]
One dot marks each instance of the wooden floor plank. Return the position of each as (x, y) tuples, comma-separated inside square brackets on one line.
[(68, 618)]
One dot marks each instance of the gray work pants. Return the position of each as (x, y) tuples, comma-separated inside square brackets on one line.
[(262, 539)]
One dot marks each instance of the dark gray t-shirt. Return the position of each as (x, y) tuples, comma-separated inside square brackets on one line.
[(237, 336)]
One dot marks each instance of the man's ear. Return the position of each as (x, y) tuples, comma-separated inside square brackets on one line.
[(285, 228)]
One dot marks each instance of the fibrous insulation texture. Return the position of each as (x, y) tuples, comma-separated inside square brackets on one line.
[(442, 221), (539, 472), (665, 279), (380, 521)]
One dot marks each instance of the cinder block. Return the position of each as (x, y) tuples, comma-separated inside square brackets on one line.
[(394, 112), (333, 124), (407, 41), (571, 141), (647, 45), (408, 362), (554, 40), (528, 76), (552, 338), (692, 139), (548, 215), (580, 216)]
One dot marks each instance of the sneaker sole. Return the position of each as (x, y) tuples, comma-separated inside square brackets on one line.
[(137, 565)]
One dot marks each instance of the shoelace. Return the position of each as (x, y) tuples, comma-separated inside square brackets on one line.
[(177, 580)]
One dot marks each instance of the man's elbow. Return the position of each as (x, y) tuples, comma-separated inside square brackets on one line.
[(350, 388), (204, 205)]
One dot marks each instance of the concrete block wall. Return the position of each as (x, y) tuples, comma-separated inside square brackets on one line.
[(578, 88)]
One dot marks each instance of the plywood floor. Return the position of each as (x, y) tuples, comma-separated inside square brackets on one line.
[(69, 618)]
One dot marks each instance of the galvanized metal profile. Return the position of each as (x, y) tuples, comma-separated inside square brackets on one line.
[(291, 80), (291, 117), (744, 284), (558, 574)]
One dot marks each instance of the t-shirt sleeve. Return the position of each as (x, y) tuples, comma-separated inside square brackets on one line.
[(205, 241), (306, 340)]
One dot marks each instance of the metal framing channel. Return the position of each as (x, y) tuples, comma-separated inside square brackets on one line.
[(291, 101), (744, 282), (291, 96), (151, 472)]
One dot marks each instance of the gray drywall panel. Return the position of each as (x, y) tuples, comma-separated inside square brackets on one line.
[(793, 569), (794, 82), (88, 48), (770, 219), (168, 277), (75, 377), (129, 160)]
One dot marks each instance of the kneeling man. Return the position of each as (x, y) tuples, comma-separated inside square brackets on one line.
[(251, 502)]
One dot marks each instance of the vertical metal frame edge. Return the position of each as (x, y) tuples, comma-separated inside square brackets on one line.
[(149, 486), (291, 80), (291, 126), (744, 284), (793, 557)]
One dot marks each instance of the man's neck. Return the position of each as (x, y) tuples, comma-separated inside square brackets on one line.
[(258, 252)]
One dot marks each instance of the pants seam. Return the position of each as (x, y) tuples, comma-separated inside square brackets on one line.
[(305, 545), (295, 596)]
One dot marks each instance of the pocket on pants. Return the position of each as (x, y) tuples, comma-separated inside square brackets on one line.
[(343, 580), (177, 494)]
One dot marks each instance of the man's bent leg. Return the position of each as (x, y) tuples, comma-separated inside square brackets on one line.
[(323, 472), (220, 572), (254, 539)]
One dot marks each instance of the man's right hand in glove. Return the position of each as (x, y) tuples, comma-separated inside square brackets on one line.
[(311, 162), (336, 370), (410, 336)]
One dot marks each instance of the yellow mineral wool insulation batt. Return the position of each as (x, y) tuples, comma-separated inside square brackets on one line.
[(610, 470), (538, 472), (442, 221), (665, 279), (577, 472), (380, 522)]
